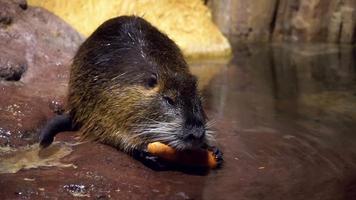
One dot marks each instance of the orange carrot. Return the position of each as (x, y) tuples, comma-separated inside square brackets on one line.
[(203, 158)]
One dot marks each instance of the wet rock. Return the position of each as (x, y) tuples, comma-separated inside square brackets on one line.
[(36, 48), (249, 20), (32, 37), (26, 193), (77, 190), (4, 137), (30, 157)]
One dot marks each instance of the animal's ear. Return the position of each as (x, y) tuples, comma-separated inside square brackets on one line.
[(152, 81)]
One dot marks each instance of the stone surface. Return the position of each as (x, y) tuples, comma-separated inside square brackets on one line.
[(287, 20), (35, 52), (248, 20)]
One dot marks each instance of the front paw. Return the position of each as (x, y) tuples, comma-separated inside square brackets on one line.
[(151, 161)]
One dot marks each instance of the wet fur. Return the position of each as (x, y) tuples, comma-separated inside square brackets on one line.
[(109, 99)]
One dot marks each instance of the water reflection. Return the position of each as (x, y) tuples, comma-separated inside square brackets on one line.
[(286, 120), (13, 160)]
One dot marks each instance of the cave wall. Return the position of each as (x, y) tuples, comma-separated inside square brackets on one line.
[(187, 22), (331, 21)]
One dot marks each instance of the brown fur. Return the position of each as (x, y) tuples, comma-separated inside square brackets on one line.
[(109, 99)]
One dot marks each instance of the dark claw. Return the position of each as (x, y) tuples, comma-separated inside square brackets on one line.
[(150, 161)]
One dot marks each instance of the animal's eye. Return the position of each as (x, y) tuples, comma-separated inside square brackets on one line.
[(152, 81), (169, 100)]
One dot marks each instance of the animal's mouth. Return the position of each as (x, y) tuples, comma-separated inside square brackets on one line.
[(196, 144), (173, 135), (186, 144)]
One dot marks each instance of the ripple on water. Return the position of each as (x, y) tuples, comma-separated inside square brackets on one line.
[(14, 160)]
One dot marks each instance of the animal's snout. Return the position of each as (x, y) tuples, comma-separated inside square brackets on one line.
[(194, 133)]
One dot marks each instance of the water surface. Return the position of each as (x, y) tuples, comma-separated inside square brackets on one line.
[(284, 117)]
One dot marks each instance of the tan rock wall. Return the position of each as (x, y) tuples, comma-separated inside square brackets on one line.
[(248, 20), (187, 22)]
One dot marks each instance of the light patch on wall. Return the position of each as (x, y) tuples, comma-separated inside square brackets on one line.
[(187, 22)]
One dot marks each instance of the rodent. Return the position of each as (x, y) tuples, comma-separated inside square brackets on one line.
[(130, 86)]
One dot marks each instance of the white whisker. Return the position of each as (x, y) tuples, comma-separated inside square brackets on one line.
[(210, 123), (169, 133)]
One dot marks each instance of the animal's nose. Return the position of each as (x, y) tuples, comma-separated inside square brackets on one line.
[(195, 133)]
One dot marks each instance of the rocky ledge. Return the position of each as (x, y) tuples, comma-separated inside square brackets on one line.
[(35, 51)]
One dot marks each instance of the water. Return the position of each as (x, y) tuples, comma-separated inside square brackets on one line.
[(284, 117)]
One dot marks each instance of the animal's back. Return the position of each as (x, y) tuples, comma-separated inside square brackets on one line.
[(107, 68)]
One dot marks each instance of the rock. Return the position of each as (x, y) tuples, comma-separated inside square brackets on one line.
[(287, 21), (36, 48), (249, 20), (32, 38), (315, 21)]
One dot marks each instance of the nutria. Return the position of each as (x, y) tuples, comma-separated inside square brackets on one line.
[(130, 86)]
